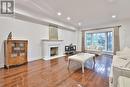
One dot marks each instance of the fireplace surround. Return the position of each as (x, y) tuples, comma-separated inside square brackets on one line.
[(52, 49)]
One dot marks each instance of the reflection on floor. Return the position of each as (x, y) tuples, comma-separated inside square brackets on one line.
[(54, 73)]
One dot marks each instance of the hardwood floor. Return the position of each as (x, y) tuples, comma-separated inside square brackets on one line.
[(54, 73)]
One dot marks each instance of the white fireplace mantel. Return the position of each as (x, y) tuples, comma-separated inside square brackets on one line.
[(47, 44)]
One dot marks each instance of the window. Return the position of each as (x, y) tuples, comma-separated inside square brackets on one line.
[(88, 40), (109, 41), (101, 39)]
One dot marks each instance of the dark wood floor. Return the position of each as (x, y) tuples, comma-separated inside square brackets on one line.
[(54, 73)]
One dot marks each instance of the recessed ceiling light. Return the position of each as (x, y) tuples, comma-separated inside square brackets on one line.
[(68, 18), (113, 16), (111, 0), (59, 13), (79, 24)]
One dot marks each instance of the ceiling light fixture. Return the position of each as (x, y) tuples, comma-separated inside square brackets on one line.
[(68, 18), (113, 16), (79, 24), (59, 13), (111, 0)]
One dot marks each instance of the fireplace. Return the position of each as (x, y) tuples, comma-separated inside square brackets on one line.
[(53, 51)]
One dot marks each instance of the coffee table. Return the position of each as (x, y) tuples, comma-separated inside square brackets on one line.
[(81, 58)]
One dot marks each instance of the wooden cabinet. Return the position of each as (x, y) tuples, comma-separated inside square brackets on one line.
[(15, 52)]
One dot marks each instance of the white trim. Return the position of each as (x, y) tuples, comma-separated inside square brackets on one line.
[(54, 57), (1, 65), (34, 59), (100, 31)]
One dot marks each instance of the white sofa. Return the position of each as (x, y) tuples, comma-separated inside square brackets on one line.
[(120, 66), (94, 49)]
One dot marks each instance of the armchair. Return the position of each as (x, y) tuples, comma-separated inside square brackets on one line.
[(120, 66)]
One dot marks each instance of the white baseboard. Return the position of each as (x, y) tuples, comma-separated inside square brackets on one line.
[(33, 59), (53, 57), (1, 65)]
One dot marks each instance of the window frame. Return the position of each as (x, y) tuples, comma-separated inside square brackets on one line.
[(106, 40)]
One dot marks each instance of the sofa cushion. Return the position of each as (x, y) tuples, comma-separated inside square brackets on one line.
[(124, 56), (118, 62), (125, 53)]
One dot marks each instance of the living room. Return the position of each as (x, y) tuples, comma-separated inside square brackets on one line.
[(53, 35)]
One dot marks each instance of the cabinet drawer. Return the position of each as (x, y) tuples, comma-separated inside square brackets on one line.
[(13, 61), (22, 60)]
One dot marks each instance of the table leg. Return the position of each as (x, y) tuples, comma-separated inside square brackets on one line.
[(82, 67), (68, 63), (94, 62)]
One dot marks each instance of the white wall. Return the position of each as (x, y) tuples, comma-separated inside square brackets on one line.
[(79, 40), (31, 32)]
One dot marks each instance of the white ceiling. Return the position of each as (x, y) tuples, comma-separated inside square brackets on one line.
[(89, 12)]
